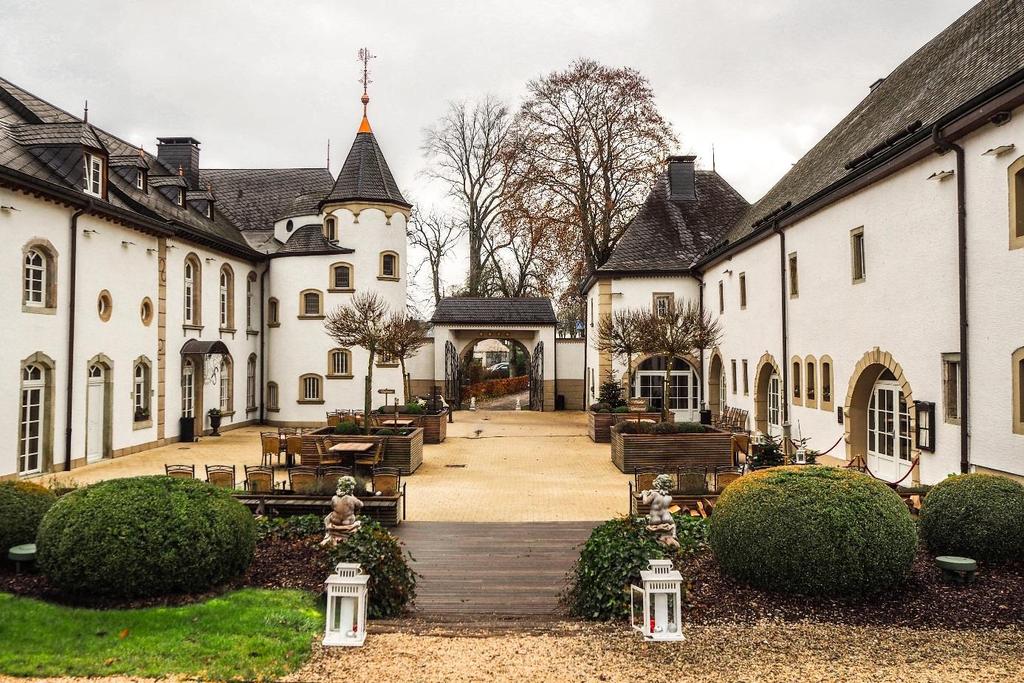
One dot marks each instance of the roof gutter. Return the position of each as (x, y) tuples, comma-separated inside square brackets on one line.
[(70, 371), (943, 145)]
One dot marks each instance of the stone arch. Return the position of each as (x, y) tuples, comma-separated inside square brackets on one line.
[(858, 394), (104, 361), (716, 370), (48, 366), (766, 366)]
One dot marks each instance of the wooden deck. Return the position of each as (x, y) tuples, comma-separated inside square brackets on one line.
[(492, 569)]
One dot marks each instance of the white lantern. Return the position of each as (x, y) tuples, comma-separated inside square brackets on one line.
[(659, 603), (346, 606), (800, 457)]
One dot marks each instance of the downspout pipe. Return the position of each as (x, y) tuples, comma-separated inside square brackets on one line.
[(784, 301), (263, 335), (943, 145), (70, 370), (699, 276)]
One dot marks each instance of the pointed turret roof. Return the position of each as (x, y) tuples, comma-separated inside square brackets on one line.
[(365, 177)]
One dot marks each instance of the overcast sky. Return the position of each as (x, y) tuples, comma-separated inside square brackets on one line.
[(265, 84)]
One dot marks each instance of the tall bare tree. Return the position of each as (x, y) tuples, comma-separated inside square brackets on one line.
[(591, 141), (467, 151), (437, 235), (625, 334), (679, 333), (362, 323), (405, 337)]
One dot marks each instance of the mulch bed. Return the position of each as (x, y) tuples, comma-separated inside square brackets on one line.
[(278, 563), (995, 599)]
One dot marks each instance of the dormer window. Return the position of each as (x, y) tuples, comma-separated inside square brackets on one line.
[(140, 180), (181, 197), (331, 230), (93, 178), (209, 210)]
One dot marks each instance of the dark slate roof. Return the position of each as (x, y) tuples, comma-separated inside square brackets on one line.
[(254, 198), (39, 134), (365, 175), (671, 235), (130, 160), (494, 311), (980, 49), (167, 180), (310, 239)]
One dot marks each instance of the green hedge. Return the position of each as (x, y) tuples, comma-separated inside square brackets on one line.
[(813, 530), (612, 559), (392, 584), (980, 516), (22, 506), (145, 536)]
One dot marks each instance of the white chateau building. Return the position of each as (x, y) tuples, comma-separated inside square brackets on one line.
[(873, 297), (145, 290)]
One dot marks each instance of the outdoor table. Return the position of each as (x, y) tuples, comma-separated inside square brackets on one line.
[(349, 448), (398, 422)]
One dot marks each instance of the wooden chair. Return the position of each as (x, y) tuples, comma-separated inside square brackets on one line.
[(724, 477), (303, 480), (259, 479), (692, 480), (180, 471), (271, 444), (372, 458), (644, 478), (334, 472), (293, 449), (333, 418), (221, 475), (387, 481)]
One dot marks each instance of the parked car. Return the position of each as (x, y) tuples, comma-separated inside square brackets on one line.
[(499, 367)]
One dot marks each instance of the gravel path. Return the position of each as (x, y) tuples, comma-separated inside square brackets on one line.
[(763, 652)]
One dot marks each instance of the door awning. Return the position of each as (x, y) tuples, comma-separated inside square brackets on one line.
[(204, 348)]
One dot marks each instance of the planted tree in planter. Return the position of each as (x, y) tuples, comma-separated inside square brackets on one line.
[(624, 334), (405, 337), (610, 393), (363, 322), (679, 333)]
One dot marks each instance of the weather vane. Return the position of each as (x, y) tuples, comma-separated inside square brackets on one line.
[(365, 57)]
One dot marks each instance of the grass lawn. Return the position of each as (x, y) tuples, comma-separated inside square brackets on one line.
[(247, 634)]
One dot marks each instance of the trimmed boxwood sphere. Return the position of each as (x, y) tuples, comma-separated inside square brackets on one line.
[(22, 506), (813, 530), (980, 516), (145, 536)]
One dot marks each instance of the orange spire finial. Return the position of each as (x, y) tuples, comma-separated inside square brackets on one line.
[(181, 170), (365, 57)]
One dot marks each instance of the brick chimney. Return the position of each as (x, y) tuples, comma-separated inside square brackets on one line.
[(681, 182), (181, 153)]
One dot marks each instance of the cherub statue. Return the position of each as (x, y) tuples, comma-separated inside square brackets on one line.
[(341, 522), (659, 519)]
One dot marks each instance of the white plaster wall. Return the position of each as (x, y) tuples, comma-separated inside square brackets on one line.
[(569, 356), (283, 234), (421, 366)]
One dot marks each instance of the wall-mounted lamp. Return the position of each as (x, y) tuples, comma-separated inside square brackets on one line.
[(210, 259), (90, 231), (126, 243), (940, 175), (998, 151), (727, 271), (171, 246), (151, 250), (6, 208)]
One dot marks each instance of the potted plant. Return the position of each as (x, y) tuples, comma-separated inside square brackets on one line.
[(215, 419), (141, 414)]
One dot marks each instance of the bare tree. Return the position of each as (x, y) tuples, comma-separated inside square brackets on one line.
[(679, 333), (437, 235), (468, 151), (405, 337), (362, 323), (625, 334), (591, 142)]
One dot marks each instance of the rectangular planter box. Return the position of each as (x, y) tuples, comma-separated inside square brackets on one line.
[(435, 427), (599, 424), (384, 509), (710, 449), (402, 452)]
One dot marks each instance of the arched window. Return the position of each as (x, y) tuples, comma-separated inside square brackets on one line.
[(1017, 369), (331, 229), (649, 383), (289, 225), (250, 383), (273, 313), (1016, 177), (774, 403), (311, 389), (339, 363), (388, 265), (39, 277), (227, 298), (797, 367), (341, 278), (272, 397), (810, 382), (227, 385), (311, 304), (250, 302), (33, 427), (826, 383), (35, 278), (140, 389), (193, 291), (188, 386)]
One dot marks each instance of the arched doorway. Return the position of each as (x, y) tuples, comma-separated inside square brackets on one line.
[(684, 390), (497, 373), (880, 417), (98, 409), (716, 384), (768, 397)]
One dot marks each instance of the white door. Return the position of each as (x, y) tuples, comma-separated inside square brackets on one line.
[(95, 414), (774, 405), (888, 432), (683, 400)]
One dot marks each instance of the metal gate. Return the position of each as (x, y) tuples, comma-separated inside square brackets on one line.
[(452, 376), (537, 377)]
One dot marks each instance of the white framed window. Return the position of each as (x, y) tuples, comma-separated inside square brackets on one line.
[(310, 388), (191, 291), (35, 278), (181, 197), (93, 174), (273, 312), (140, 390), (188, 379), (32, 423), (331, 229), (663, 304), (250, 301), (272, 396), (774, 403), (250, 383), (858, 264), (951, 387), (140, 180), (227, 295), (339, 362), (225, 386), (209, 210)]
